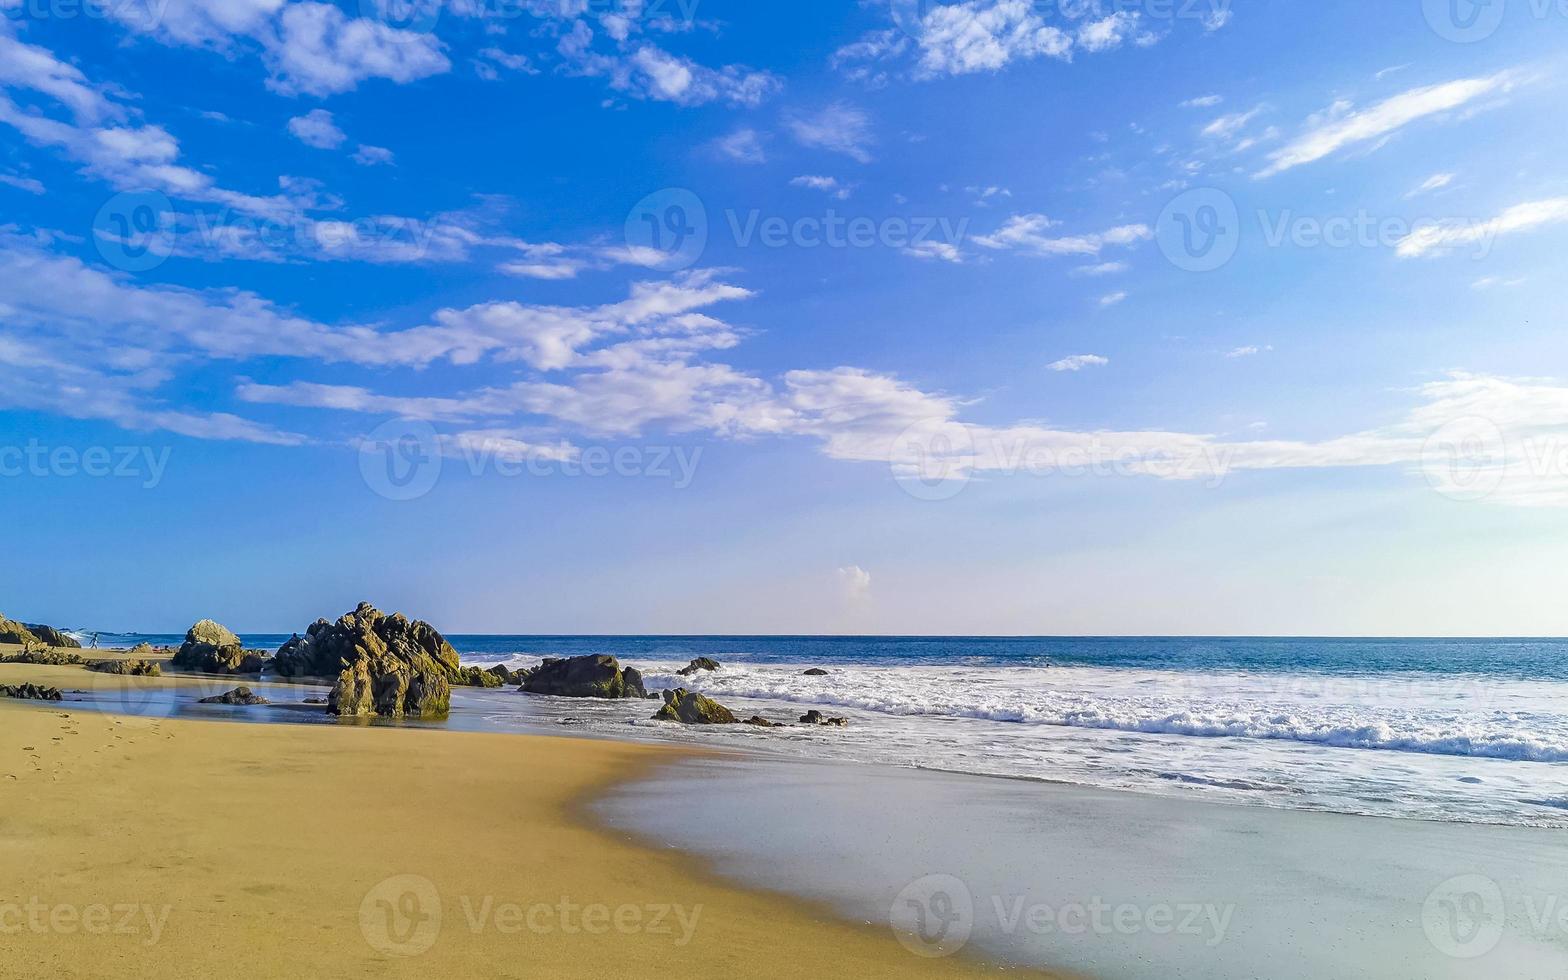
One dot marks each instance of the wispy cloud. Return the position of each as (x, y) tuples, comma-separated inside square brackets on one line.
[(1031, 234), (840, 128), (1520, 217), (1078, 362), (1344, 126)]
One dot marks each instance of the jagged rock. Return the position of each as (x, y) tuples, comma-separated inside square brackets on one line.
[(240, 695), (507, 675), (584, 677), (53, 637), (44, 657), (210, 648), (143, 650), (30, 692), (383, 665), (691, 708), (761, 722), (477, 677), (17, 633), (815, 717), (816, 672), (701, 663), (133, 668), (314, 701)]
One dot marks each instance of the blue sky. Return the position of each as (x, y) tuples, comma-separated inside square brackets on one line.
[(909, 317)]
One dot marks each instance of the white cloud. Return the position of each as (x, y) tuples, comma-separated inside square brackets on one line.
[(1028, 233), (959, 39), (1342, 126), (1111, 31), (1228, 126), (1452, 235), (855, 583), (373, 156), (941, 251), (1100, 269), (27, 184), (1247, 351), (1078, 362), (839, 127), (827, 185), (1112, 299), (646, 71), (743, 145), (1203, 102), (1436, 182), (317, 128), (1493, 282)]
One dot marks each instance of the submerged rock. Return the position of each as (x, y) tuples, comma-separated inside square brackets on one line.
[(691, 708), (384, 665), (240, 695), (211, 648), (816, 672), (815, 717), (584, 677), (30, 692), (701, 663), (761, 722), (133, 668)]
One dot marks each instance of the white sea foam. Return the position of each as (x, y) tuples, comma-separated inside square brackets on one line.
[(1429, 746)]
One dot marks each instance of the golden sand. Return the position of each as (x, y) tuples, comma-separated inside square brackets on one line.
[(143, 847)]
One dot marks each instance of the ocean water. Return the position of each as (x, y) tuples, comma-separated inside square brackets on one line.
[(1452, 730)]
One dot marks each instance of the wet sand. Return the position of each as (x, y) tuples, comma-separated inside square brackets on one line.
[(158, 847)]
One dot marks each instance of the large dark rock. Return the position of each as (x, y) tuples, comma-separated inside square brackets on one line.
[(30, 692), (240, 695), (384, 665), (701, 663), (211, 648), (816, 672), (53, 637), (691, 708), (584, 677), (506, 675)]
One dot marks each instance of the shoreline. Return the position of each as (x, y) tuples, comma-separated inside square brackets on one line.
[(272, 839)]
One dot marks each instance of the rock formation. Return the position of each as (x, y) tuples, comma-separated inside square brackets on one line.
[(240, 695), (815, 717), (383, 665), (53, 637), (816, 672), (30, 692), (691, 708), (701, 663), (130, 668), (211, 648), (584, 677)]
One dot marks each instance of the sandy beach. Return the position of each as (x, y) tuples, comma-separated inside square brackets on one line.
[(135, 846)]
